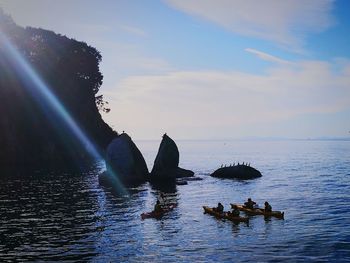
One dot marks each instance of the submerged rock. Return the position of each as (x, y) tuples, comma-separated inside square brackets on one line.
[(166, 165), (181, 182), (239, 171), (125, 162), (185, 180)]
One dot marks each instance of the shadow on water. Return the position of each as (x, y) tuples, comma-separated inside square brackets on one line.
[(165, 187), (241, 181), (66, 170), (47, 214), (236, 228)]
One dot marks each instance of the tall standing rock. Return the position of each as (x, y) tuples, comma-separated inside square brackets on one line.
[(166, 164), (125, 161)]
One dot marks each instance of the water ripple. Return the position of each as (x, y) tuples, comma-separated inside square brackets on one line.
[(69, 217)]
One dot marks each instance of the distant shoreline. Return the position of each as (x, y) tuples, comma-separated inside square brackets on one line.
[(256, 139)]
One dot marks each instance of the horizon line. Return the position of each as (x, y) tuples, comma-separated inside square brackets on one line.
[(253, 138)]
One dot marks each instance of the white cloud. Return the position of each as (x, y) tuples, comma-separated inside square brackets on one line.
[(282, 21), (184, 102), (268, 57), (133, 30), (146, 64)]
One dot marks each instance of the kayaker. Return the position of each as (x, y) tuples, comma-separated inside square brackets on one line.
[(249, 204), (235, 211), (268, 207), (219, 208), (157, 207), (162, 199)]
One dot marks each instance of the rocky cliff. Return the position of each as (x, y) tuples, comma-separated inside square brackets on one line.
[(32, 132)]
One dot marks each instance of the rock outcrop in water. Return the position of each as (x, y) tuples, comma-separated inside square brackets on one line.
[(166, 165), (125, 161), (240, 171)]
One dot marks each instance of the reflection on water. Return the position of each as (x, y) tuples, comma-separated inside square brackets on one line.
[(69, 216)]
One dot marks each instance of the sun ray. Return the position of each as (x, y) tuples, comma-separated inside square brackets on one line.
[(43, 95)]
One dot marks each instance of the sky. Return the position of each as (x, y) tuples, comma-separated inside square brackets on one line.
[(212, 69)]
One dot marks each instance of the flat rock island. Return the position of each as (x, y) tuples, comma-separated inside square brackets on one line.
[(239, 171)]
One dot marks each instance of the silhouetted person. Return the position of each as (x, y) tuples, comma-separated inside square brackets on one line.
[(162, 199), (268, 207), (249, 204), (235, 211), (157, 207), (219, 208)]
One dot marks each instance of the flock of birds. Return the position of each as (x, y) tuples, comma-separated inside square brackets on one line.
[(234, 164)]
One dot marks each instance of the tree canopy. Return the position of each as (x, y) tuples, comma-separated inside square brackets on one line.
[(29, 134)]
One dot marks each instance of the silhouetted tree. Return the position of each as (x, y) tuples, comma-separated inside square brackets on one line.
[(29, 132)]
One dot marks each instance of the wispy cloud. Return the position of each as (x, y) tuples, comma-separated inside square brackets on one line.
[(283, 22), (188, 101), (268, 57), (133, 30)]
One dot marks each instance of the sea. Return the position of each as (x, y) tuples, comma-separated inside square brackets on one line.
[(69, 217)]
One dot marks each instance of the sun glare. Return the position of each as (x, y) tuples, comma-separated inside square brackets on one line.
[(46, 98)]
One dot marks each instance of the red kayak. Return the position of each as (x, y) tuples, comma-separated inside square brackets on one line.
[(158, 215)]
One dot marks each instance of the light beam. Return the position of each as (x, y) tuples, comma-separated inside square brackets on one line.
[(36, 85)]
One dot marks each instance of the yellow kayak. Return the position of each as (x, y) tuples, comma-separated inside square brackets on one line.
[(225, 215), (259, 211)]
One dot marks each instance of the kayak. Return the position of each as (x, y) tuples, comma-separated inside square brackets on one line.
[(158, 215), (259, 211), (225, 215)]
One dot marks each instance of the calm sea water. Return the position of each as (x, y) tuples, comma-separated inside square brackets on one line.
[(69, 217)]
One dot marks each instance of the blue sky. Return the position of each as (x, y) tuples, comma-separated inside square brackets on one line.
[(200, 69)]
